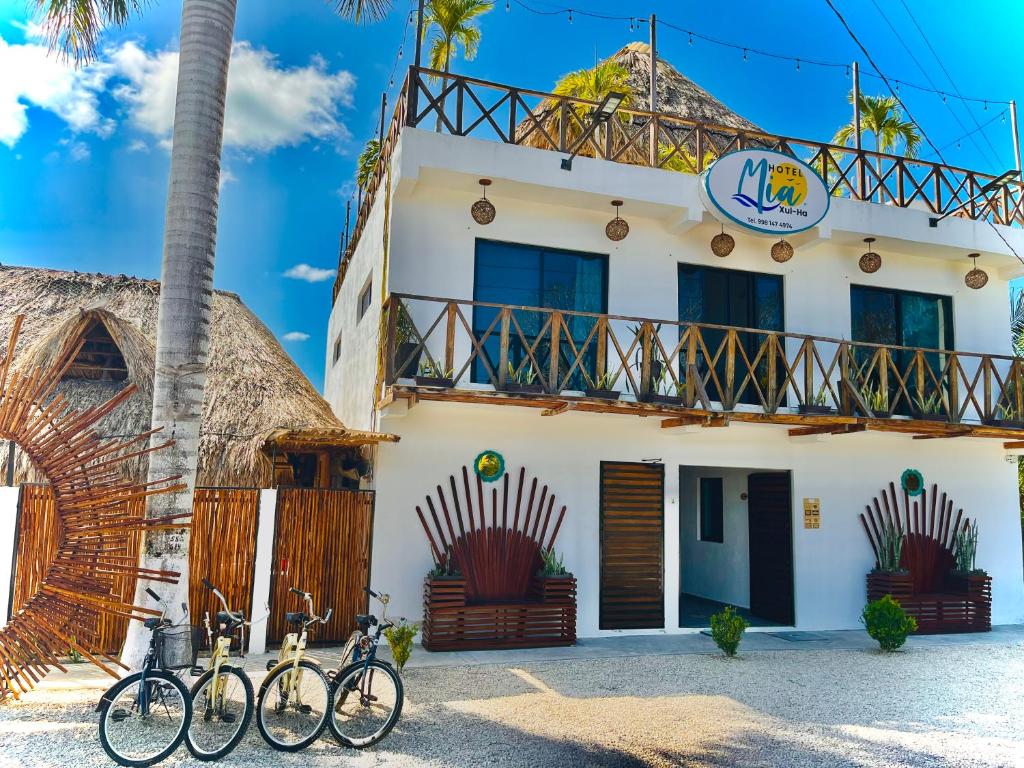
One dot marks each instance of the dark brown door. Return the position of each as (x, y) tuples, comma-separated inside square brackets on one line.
[(632, 545), (770, 515)]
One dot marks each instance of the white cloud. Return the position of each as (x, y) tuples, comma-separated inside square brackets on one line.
[(309, 274), (226, 177), (295, 336), (80, 151), (268, 106), (138, 146), (34, 77)]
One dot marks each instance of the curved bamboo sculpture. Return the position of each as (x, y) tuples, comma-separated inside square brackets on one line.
[(497, 560), (929, 533), (96, 522)]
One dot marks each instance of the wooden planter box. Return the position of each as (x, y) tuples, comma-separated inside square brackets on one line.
[(522, 389), (547, 617), (604, 394), (1005, 423), (654, 397), (434, 381), (918, 416), (815, 410), (965, 606)]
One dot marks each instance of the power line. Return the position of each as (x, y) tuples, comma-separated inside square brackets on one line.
[(896, 96), (747, 50), (982, 127)]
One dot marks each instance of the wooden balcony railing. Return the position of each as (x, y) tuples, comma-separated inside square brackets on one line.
[(467, 345), (467, 106)]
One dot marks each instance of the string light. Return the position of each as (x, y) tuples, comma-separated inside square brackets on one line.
[(690, 34), (798, 65), (570, 15), (744, 54)]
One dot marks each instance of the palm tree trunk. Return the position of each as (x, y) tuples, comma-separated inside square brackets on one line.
[(186, 291)]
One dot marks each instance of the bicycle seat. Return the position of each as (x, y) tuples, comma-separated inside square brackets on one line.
[(229, 620), (365, 620), (296, 618)]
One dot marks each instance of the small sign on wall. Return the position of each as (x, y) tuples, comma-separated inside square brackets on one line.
[(812, 513)]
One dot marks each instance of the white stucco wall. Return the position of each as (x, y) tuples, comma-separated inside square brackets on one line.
[(565, 451), (8, 524), (715, 570)]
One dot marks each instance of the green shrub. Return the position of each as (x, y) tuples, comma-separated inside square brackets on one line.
[(888, 623), (400, 639), (727, 628)]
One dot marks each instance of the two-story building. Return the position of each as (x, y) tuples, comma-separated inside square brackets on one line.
[(715, 412)]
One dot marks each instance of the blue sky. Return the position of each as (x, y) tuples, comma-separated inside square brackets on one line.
[(83, 155)]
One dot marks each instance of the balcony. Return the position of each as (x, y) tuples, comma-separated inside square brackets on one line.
[(465, 106), (692, 374)]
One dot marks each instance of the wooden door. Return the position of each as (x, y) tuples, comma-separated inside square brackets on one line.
[(321, 545), (632, 545), (770, 520)]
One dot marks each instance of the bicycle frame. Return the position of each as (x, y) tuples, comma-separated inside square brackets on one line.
[(293, 650), (220, 648)]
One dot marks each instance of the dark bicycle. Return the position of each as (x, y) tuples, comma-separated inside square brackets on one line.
[(367, 692), (145, 716)]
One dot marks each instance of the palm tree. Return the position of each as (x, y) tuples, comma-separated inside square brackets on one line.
[(190, 235), (882, 118), (452, 23), (592, 84), (367, 162)]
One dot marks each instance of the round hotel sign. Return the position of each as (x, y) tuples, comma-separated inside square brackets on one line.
[(765, 191)]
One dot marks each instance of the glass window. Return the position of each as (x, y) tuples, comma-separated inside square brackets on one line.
[(337, 349), (364, 299), (712, 510), (533, 276)]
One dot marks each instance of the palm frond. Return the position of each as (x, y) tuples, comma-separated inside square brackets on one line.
[(362, 10), (73, 27), (367, 162)]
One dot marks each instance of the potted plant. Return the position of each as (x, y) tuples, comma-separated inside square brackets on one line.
[(523, 380), (1008, 415), (929, 408), (432, 374), (967, 578), (603, 388), (554, 582), (407, 351), (888, 576), (445, 585), (818, 406), (876, 399), (666, 391)]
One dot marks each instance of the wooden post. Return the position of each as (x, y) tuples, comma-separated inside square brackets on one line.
[(883, 377), (771, 390), (449, 340), (348, 216), (506, 315), (691, 364), (808, 355), (654, 91), (418, 59), (856, 131), (10, 462), (954, 389), (729, 396), (1016, 136), (553, 357), (412, 117), (602, 347), (393, 306), (380, 131)]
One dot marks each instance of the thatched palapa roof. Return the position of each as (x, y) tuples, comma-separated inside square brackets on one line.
[(254, 391)]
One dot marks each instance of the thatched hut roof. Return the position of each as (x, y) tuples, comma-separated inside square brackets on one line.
[(254, 391), (677, 94)]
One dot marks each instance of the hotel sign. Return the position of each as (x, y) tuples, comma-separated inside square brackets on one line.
[(764, 191)]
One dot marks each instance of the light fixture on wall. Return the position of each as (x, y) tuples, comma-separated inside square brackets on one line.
[(782, 252), (722, 244), (617, 228), (870, 262), (976, 278), (483, 209)]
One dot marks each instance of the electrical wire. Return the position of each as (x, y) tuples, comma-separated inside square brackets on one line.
[(924, 134)]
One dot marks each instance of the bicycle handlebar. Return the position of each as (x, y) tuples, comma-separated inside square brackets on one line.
[(370, 592), (297, 591), (208, 585), (154, 595)]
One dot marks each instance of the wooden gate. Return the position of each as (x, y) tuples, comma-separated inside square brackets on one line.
[(37, 537), (223, 549), (632, 545), (322, 545)]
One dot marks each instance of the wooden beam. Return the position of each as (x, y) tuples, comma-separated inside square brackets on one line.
[(558, 409), (682, 421), (1013, 445), (941, 436), (838, 429)]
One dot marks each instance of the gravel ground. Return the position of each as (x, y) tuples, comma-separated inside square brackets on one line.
[(943, 706)]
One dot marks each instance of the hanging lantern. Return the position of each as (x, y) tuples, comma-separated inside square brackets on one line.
[(722, 244), (976, 278), (483, 209), (617, 228), (782, 252), (870, 262)]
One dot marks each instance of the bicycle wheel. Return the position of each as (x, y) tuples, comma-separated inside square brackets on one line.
[(221, 710), (293, 706), (367, 703), (141, 723)]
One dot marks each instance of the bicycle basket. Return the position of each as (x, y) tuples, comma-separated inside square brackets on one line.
[(178, 647)]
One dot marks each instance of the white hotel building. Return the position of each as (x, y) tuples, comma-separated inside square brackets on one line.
[(787, 386)]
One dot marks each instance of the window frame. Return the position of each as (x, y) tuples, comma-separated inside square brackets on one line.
[(363, 306), (336, 355), (702, 534), (899, 293)]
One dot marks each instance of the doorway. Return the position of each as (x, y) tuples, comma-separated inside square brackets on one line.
[(736, 545)]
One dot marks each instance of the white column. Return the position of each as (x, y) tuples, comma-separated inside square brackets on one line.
[(672, 555), (8, 524), (262, 569)]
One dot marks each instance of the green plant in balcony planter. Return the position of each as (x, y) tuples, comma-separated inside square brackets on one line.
[(606, 381), (445, 569), (434, 370), (551, 564), (887, 623), (524, 375), (875, 398), (400, 639), (727, 628), (928, 406)]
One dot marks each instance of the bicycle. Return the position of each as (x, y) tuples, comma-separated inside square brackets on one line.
[(295, 697), (222, 697), (367, 693), (145, 716)]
